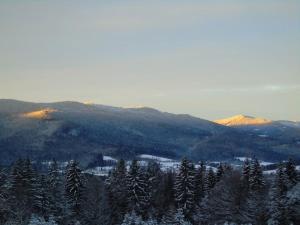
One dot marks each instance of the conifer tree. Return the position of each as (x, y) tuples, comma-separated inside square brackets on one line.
[(256, 181), (29, 183), (138, 189), (42, 197), (184, 187), (199, 182), (210, 181), (291, 172), (3, 196), (278, 207), (220, 172), (293, 204), (117, 192), (246, 174), (55, 190), (21, 190), (74, 187), (155, 181), (167, 199)]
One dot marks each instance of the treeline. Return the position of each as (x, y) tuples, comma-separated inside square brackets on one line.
[(146, 195)]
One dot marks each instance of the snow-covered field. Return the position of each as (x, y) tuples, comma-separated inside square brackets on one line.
[(168, 164), (157, 158), (165, 164), (109, 158), (100, 171), (263, 163)]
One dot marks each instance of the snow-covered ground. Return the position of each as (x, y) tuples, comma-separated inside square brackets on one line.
[(99, 171), (168, 164), (153, 157), (269, 172), (165, 164), (242, 159), (109, 158), (263, 163)]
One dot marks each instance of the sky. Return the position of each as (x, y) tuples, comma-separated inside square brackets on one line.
[(211, 59)]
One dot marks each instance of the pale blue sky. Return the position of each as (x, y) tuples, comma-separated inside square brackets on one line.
[(211, 59)]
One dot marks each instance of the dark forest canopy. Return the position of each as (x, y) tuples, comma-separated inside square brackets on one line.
[(146, 195)]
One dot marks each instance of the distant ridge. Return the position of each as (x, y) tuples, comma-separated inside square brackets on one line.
[(68, 130), (241, 120)]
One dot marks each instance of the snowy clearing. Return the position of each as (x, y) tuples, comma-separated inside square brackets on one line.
[(109, 158), (153, 157)]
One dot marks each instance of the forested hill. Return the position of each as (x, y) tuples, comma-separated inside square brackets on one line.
[(73, 130)]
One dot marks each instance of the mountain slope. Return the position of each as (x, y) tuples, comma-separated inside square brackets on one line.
[(65, 130)]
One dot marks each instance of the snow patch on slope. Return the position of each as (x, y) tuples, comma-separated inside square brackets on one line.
[(40, 114), (157, 158), (241, 120)]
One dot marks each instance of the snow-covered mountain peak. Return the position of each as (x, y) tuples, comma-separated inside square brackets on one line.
[(241, 120)]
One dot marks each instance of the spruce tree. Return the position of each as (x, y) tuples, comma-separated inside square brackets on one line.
[(155, 180), (293, 204), (291, 172), (30, 183), (199, 182), (184, 187), (3, 196), (256, 180), (138, 189), (167, 199), (55, 190), (22, 190), (246, 174), (220, 172), (210, 181), (117, 192), (42, 197), (278, 206), (74, 187)]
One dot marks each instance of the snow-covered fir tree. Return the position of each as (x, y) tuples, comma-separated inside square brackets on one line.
[(256, 181), (279, 214), (221, 205), (246, 174), (166, 194), (42, 197), (291, 172), (155, 181), (184, 187), (117, 192), (293, 203), (220, 172), (199, 182), (3, 195), (54, 181), (74, 187), (21, 190), (209, 181), (138, 189)]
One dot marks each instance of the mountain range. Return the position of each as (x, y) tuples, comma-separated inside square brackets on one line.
[(65, 130)]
